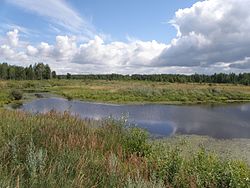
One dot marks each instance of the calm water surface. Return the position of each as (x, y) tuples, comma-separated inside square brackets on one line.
[(228, 121)]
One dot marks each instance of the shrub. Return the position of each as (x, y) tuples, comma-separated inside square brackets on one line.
[(16, 94), (136, 142)]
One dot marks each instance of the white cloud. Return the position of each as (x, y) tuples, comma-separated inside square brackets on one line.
[(6, 51), (45, 49), (23, 30), (118, 53), (95, 54), (65, 48), (31, 50), (59, 12), (242, 64), (212, 36), (12, 37), (8, 54), (209, 32)]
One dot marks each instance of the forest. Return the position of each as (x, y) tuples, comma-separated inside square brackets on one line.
[(231, 78), (41, 71), (37, 71)]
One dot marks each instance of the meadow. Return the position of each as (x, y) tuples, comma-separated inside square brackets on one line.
[(127, 92), (58, 150)]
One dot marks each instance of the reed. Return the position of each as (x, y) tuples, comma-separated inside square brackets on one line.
[(58, 150)]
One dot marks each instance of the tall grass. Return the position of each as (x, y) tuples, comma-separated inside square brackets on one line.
[(58, 150), (131, 91)]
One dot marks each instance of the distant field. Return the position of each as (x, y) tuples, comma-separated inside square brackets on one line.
[(131, 91)]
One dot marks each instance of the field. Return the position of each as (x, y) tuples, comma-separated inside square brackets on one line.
[(57, 150), (131, 91)]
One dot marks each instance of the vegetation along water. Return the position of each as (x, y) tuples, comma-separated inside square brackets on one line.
[(59, 150)]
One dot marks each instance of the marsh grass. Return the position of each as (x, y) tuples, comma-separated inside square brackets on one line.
[(153, 92), (58, 150), (131, 91)]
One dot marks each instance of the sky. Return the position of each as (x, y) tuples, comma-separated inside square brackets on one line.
[(127, 37)]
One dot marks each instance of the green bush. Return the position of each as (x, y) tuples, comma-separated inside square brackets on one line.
[(16, 94), (135, 141)]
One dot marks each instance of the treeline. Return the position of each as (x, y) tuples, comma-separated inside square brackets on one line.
[(41, 71), (38, 71), (231, 78)]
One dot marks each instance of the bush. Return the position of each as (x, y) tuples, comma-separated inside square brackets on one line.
[(136, 142), (16, 94)]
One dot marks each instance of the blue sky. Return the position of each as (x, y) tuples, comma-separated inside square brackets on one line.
[(132, 36), (144, 20)]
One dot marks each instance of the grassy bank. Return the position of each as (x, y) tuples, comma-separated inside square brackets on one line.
[(225, 148), (132, 91), (57, 150)]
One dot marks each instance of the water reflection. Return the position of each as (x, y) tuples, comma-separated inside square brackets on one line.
[(228, 121)]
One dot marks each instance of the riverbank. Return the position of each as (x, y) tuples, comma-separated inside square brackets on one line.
[(229, 149), (57, 150), (131, 92), (25, 136)]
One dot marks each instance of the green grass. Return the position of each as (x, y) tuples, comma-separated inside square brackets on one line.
[(57, 150), (130, 92), (225, 148), (151, 92)]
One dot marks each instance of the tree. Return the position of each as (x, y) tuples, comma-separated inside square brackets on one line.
[(68, 76), (11, 73), (53, 74), (47, 72), (39, 70), (20, 73), (4, 71), (30, 74)]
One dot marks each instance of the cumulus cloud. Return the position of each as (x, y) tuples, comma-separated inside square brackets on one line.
[(9, 48), (212, 36), (9, 54), (12, 38), (45, 49), (95, 54), (209, 32), (118, 53), (6, 51), (31, 50), (65, 48)]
